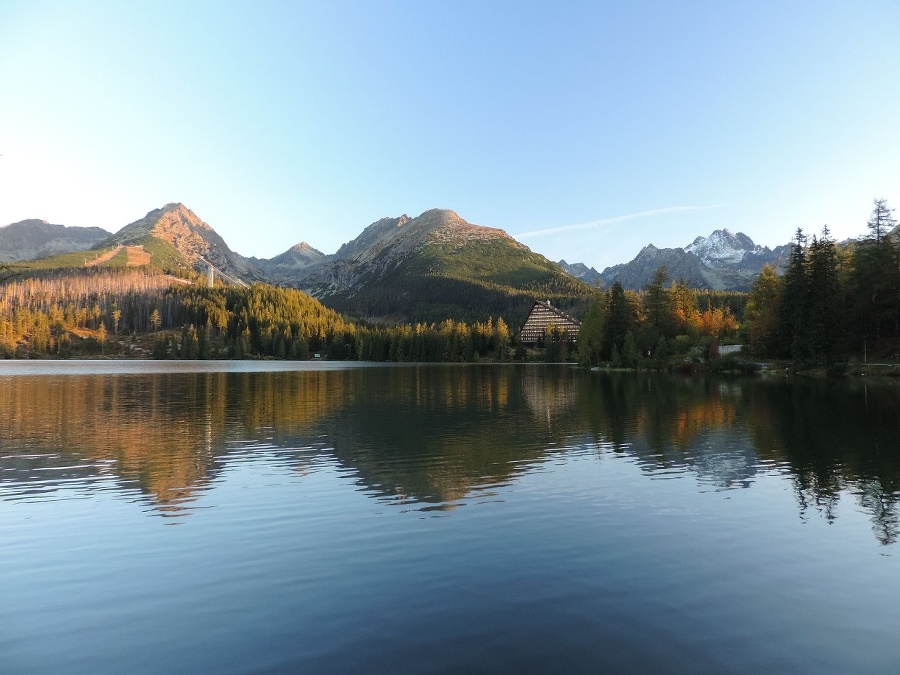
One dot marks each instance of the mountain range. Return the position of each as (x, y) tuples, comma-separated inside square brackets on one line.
[(722, 261), (29, 239), (581, 271), (176, 232), (424, 268), (427, 268)]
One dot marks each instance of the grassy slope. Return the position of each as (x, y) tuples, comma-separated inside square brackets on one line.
[(493, 261), (163, 257), (64, 260)]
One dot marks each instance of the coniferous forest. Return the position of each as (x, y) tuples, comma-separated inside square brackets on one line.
[(142, 313), (832, 303)]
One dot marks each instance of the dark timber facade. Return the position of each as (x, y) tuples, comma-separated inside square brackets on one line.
[(542, 316)]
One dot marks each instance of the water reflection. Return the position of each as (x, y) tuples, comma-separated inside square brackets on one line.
[(833, 438), (435, 436), (837, 438)]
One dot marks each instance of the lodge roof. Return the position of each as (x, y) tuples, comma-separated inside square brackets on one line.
[(542, 315)]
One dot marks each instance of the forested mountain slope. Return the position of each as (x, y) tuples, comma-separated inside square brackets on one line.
[(436, 266)]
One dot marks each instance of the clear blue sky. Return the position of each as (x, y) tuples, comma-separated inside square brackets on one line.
[(281, 122)]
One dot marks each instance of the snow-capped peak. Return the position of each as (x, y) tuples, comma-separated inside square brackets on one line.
[(723, 247)]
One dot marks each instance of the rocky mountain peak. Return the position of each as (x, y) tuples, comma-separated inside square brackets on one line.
[(581, 271), (723, 260), (398, 236), (444, 225), (375, 235), (296, 260), (723, 247), (172, 221), (440, 217), (177, 214), (194, 239), (303, 247)]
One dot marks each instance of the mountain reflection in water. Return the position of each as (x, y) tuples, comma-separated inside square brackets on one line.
[(435, 437)]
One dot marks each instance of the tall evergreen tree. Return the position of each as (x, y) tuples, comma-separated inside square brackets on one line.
[(875, 280), (618, 319), (825, 319), (657, 304), (791, 338), (881, 222)]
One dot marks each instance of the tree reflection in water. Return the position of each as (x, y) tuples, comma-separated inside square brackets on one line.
[(437, 435)]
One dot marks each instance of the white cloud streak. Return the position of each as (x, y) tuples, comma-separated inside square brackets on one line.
[(618, 219)]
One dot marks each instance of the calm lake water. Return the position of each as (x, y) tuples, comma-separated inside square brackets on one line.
[(272, 517)]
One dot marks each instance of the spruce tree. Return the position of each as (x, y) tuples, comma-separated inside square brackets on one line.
[(657, 304), (825, 319), (791, 338), (617, 322), (875, 280)]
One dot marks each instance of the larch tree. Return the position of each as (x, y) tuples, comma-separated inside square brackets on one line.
[(761, 314), (881, 222), (590, 335), (685, 311)]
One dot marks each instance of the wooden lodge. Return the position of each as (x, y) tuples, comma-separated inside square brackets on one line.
[(542, 316)]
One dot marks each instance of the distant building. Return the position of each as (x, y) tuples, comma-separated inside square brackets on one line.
[(543, 315)]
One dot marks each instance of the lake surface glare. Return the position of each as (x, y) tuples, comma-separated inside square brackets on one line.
[(255, 517)]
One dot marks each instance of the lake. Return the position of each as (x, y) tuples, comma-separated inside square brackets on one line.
[(238, 517)]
